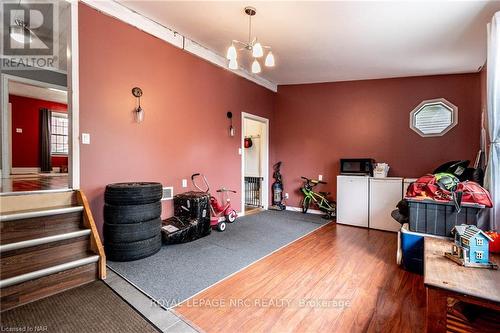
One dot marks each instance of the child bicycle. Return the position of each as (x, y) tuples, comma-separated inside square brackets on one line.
[(319, 199)]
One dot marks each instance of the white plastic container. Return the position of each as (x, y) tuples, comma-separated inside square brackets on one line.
[(381, 170)]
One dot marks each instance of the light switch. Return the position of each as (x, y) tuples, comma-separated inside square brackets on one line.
[(320, 177), (85, 138), (184, 183), (19, 130), (239, 151)]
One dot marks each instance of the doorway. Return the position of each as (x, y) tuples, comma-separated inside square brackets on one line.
[(254, 163), (35, 136)]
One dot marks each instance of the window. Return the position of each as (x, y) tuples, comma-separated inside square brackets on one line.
[(479, 241), (59, 133), (434, 117), (479, 254)]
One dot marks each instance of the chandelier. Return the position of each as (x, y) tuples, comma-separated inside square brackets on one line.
[(252, 45)]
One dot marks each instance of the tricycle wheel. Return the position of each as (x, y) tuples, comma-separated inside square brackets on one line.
[(231, 216), (221, 226)]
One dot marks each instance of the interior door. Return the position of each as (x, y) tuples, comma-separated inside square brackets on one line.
[(385, 193)]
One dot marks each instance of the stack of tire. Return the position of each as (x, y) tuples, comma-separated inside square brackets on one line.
[(132, 223)]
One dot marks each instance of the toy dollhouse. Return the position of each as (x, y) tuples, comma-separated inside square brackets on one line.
[(471, 246)]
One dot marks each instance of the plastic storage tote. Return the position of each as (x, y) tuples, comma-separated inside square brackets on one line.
[(411, 249), (438, 218)]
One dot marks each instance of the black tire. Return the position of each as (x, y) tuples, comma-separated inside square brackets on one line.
[(133, 251), (128, 233), (305, 204), (140, 193), (131, 213)]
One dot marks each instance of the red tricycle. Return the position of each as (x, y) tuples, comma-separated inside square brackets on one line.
[(220, 213)]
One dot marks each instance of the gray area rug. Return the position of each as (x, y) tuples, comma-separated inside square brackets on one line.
[(178, 272)]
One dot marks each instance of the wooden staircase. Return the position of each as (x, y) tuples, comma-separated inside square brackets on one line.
[(48, 243)]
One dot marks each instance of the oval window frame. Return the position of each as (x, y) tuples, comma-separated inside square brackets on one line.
[(447, 104)]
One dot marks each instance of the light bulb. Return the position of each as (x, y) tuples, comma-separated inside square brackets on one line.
[(18, 33), (257, 50), (233, 64), (255, 67), (139, 115), (269, 60), (231, 53)]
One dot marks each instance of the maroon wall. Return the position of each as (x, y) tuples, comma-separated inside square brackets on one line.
[(317, 124), (26, 145), (185, 101)]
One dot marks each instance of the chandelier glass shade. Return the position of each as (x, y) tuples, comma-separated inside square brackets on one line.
[(20, 32), (252, 45)]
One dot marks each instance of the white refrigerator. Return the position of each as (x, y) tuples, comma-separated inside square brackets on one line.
[(352, 200), (385, 193)]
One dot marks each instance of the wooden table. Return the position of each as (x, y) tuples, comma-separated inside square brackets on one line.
[(448, 283)]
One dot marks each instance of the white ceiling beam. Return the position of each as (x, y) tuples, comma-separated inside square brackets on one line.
[(135, 19)]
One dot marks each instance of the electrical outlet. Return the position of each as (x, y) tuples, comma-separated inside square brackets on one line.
[(184, 183), (85, 138), (320, 177), (286, 196), (19, 130)]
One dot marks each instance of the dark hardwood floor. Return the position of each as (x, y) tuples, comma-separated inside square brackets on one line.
[(337, 279), (34, 182)]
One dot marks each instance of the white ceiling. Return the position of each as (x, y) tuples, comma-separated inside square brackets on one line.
[(46, 94), (343, 40)]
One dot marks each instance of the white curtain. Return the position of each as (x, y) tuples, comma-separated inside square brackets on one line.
[(493, 95)]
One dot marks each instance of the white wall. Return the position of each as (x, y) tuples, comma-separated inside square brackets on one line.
[(253, 165)]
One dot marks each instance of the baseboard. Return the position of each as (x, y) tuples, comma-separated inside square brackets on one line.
[(24, 170), (309, 211), (31, 170)]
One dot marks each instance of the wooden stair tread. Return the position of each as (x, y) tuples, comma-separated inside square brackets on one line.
[(42, 287), (25, 260), (43, 240), (40, 192), (31, 200), (14, 231), (39, 212), (47, 271)]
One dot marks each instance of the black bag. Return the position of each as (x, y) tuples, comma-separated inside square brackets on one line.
[(192, 205), (177, 230)]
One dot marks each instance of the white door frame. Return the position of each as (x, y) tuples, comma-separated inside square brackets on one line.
[(6, 117), (73, 106), (264, 162), (74, 99)]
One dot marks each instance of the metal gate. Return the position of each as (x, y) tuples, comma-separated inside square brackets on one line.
[(253, 187)]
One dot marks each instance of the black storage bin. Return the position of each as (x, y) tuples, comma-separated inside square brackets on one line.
[(438, 218), (193, 205), (177, 230)]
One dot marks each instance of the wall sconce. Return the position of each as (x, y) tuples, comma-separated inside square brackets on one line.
[(139, 112), (231, 128)]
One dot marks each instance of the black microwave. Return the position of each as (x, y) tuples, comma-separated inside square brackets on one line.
[(357, 166)]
